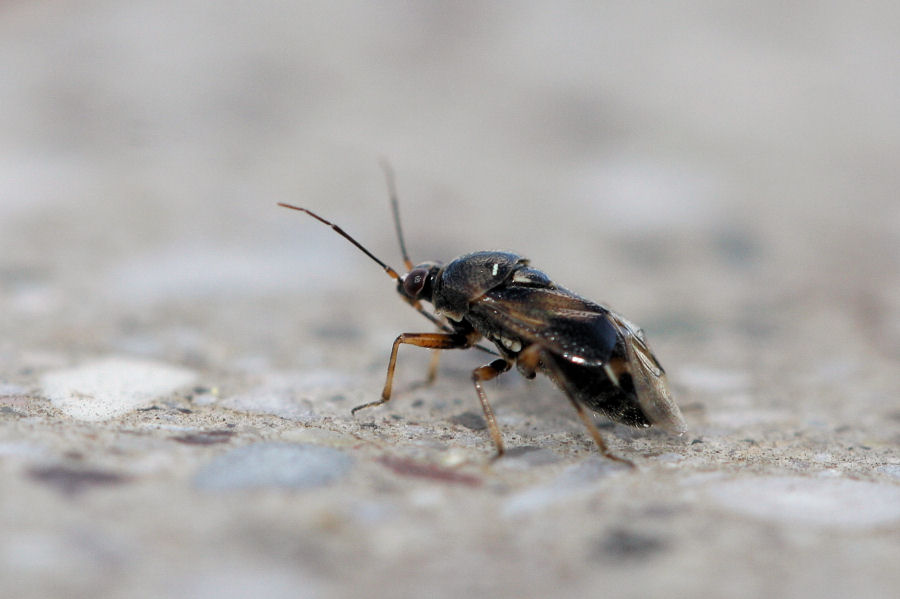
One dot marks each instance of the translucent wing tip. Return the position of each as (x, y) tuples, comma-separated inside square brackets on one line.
[(658, 405), (652, 389), (671, 421)]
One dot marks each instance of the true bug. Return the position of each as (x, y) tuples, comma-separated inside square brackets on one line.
[(596, 357)]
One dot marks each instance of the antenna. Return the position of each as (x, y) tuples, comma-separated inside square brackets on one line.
[(392, 191), (390, 271)]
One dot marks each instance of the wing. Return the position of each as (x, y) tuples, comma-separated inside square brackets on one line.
[(649, 379), (573, 327)]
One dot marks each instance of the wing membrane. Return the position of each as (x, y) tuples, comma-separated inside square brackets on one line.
[(649, 380), (584, 333)]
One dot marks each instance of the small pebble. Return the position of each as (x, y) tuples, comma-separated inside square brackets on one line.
[(453, 457), (279, 465), (416, 469), (278, 395), (205, 437), (890, 470), (318, 436), (10, 389), (628, 545), (71, 481), (108, 388), (528, 456), (669, 458), (470, 420), (833, 503), (22, 449), (278, 402), (573, 481)]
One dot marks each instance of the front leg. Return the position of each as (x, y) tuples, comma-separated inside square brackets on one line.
[(429, 340)]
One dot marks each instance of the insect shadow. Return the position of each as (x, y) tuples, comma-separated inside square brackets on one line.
[(596, 357)]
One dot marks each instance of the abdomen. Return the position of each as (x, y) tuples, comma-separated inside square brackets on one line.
[(594, 389)]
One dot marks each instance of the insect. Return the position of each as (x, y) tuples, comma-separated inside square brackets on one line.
[(597, 358)]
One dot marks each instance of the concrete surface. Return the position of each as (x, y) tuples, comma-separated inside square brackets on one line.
[(178, 356)]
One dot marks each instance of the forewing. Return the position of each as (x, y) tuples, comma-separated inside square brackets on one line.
[(562, 322), (649, 380)]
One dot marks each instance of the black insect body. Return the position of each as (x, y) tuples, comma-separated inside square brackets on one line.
[(597, 358)]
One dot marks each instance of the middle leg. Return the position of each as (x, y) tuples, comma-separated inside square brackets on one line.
[(486, 373)]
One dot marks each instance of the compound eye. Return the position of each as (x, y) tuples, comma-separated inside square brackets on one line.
[(414, 281)]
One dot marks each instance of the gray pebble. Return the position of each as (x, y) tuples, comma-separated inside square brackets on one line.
[(470, 420), (890, 470), (623, 544), (283, 465)]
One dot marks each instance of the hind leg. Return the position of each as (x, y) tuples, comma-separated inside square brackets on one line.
[(534, 357)]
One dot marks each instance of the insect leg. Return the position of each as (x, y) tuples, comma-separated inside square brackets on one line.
[(430, 340), (432, 371), (435, 353), (535, 356), (433, 366), (486, 373), (441, 324)]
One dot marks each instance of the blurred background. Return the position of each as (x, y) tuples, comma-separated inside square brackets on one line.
[(143, 145), (702, 167), (723, 173)]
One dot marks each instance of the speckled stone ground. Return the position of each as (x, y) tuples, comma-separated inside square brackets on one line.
[(178, 356)]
